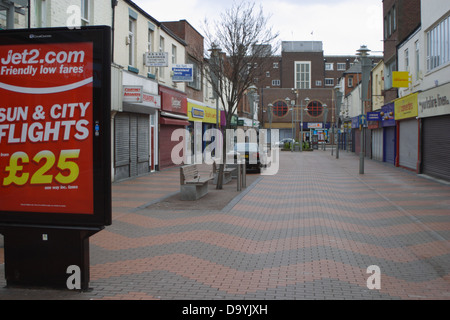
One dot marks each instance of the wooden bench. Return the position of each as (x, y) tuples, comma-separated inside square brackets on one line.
[(192, 185), (227, 173)]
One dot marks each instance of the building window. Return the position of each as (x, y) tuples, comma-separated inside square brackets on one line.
[(85, 12), (303, 75), (350, 82), (174, 54), (276, 83), (438, 45), (329, 82), (417, 58), (329, 66), (315, 108), (40, 12), (389, 68), (406, 60), (196, 84), (341, 66), (318, 83), (150, 44), (161, 49), (280, 108), (267, 74), (389, 24), (132, 41), (275, 65), (394, 19)]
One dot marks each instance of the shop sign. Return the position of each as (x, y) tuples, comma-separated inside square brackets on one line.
[(156, 59), (406, 107), (314, 125), (198, 112), (435, 102), (400, 79), (183, 73), (355, 122), (173, 101), (373, 116), (132, 94), (150, 100), (387, 115)]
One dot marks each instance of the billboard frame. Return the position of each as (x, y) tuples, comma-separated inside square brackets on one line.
[(100, 126)]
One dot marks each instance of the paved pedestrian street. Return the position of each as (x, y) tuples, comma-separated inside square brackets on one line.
[(316, 230)]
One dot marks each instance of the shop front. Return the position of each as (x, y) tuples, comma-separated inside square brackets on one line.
[(135, 128), (406, 111), (373, 119), (434, 111), (173, 116), (356, 136), (205, 118), (388, 124)]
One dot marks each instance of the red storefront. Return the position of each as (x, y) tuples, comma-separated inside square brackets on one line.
[(173, 116)]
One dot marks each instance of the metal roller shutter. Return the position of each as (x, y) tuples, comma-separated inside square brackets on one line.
[(122, 146), (436, 147), (389, 144), (408, 144), (143, 144), (377, 144)]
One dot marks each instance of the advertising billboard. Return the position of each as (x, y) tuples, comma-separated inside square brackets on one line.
[(55, 126)]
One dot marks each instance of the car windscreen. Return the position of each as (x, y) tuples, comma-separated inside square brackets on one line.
[(246, 147)]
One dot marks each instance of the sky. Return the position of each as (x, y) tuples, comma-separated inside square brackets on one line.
[(342, 25)]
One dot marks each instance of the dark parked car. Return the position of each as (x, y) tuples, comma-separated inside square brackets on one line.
[(252, 155)]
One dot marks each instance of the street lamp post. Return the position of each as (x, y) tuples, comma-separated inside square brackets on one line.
[(338, 96), (301, 121), (292, 119), (325, 113), (270, 107), (363, 52)]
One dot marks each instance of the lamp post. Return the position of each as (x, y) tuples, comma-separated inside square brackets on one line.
[(270, 110), (325, 113), (338, 96), (288, 101), (215, 56), (363, 52), (301, 121), (252, 97)]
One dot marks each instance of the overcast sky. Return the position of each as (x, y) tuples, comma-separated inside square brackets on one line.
[(342, 25)]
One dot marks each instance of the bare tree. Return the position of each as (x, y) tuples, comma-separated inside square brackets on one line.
[(246, 42)]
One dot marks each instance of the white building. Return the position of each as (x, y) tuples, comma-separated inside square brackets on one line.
[(434, 98), (425, 55)]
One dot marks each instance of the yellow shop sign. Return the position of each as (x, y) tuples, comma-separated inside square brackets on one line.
[(406, 107), (203, 113)]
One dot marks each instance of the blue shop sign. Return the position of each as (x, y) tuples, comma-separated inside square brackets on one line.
[(355, 122), (387, 115), (373, 116)]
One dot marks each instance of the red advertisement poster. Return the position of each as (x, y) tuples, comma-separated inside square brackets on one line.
[(46, 128)]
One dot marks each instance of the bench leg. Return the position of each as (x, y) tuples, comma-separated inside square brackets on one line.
[(191, 192)]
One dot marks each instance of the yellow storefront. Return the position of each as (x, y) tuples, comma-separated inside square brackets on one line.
[(406, 111), (201, 118)]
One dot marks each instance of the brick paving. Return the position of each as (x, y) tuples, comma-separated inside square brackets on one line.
[(309, 232)]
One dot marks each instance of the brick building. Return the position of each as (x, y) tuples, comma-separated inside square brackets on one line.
[(304, 76), (401, 18)]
